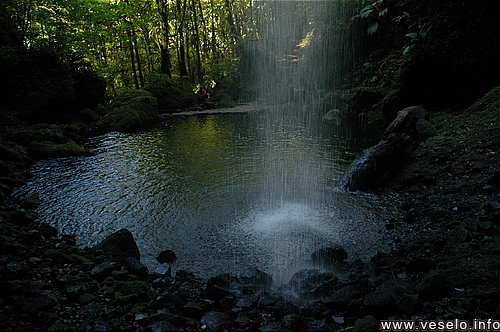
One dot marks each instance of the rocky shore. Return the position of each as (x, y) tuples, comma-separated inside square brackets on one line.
[(444, 267)]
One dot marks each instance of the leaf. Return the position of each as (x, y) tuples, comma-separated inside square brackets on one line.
[(412, 35), (365, 13), (372, 29), (406, 14), (383, 12), (407, 49)]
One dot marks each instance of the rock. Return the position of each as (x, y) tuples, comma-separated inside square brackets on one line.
[(25, 217), (434, 284), (5, 170), (282, 307), (216, 293), (31, 202), (141, 288), (378, 163), (318, 325), (409, 305), (329, 256), (162, 326), (216, 321), (170, 93), (133, 265), (226, 101), (74, 287), (315, 309), (47, 231), (103, 270), (224, 280), (86, 298), (193, 310), (166, 256), (366, 324), (417, 111), (255, 277), (420, 265), (51, 150), (292, 322), (269, 327), (378, 302), (88, 115), (343, 296), (119, 246), (313, 283), (425, 129), (247, 302), (334, 116), (131, 111)]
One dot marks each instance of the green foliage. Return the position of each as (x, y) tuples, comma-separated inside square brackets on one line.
[(171, 93), (419, 36), (375, 12)]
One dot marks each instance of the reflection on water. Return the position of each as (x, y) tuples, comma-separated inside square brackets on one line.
[(195, 184)]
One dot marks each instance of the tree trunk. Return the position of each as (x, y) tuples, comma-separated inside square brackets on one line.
[(132, 59), (198, 64), (230, 20), (165, 54), (181, 11)]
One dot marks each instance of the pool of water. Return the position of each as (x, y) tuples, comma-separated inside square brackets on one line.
[(219, 190)]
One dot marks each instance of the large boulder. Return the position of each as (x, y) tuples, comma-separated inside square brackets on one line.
[(378, 163), (131, 111), (120, 246), (171, 93)]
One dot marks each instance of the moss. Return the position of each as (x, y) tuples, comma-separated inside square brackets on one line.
[(80, 258), (366, 324), (130, 111), (141, 288), (110, 281), (126, 299), (171, 93)]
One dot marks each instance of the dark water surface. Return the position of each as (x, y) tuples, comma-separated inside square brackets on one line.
[(205, 186)]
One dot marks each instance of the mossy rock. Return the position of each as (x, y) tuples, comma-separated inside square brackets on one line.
[(140, 288), (171, 93), (51, 150), (24, 136), (126, 299), (366, 324), (425, 129), (132, 110)]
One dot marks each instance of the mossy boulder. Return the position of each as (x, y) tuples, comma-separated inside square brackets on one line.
[(171, 93), (49, 149), (131, 111), (132, 291)]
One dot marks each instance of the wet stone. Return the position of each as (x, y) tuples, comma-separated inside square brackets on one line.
[(329, 256), (292, 322), (166, 256), (255, 277), (216, 321), (103, 270)]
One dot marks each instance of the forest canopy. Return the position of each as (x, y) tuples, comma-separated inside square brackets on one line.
[(124, 40)]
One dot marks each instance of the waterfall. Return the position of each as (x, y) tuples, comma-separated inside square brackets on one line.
[(295, 64)]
